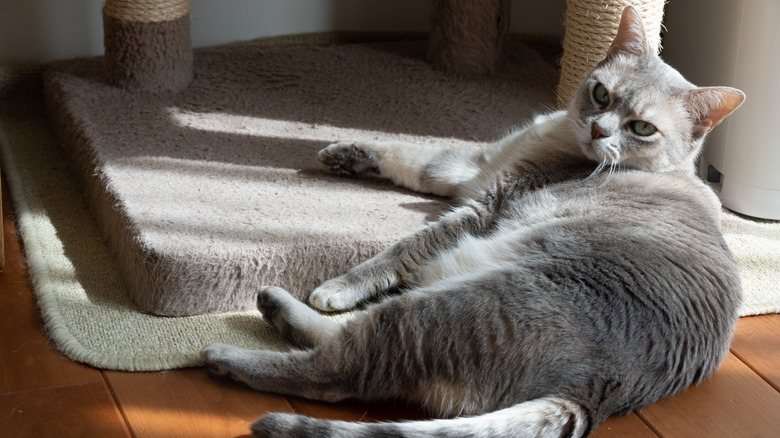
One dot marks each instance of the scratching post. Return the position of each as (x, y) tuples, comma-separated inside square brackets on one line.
[(147, 44), (467, 36), (591, 25)]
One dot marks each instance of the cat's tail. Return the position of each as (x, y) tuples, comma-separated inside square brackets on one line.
[(542, 418)]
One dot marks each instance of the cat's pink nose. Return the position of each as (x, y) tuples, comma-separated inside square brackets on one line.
[(597, 132)]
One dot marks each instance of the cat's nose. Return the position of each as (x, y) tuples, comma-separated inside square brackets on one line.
[(597, 132)]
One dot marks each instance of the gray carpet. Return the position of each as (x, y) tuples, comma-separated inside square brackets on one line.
[(207, 194)]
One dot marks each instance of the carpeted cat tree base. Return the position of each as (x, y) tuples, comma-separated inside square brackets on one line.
[(205, 194)]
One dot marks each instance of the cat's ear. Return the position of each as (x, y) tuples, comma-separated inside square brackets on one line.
[(710, 105), (630, 38)]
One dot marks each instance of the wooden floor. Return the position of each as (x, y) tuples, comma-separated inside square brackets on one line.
[(43, 394)]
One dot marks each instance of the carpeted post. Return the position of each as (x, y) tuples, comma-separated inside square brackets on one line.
[(147, 44), (591, 25), (467, 36)]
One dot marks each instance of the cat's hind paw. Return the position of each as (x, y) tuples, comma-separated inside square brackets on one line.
[(219, 358), (270, 301), (348, 158)]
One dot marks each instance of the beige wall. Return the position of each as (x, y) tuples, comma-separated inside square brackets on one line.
[(43, 30), (735, 43)]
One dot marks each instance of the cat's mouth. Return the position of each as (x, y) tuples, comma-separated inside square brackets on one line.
[(599, 151)]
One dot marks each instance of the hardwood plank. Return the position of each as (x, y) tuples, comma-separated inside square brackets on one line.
[(189, 403), (28, 360), (757, 343), (81, 410), (734, 402), (624, 426)]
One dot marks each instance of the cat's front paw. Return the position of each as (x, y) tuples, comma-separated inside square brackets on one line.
[(335, 295), (348, 158)]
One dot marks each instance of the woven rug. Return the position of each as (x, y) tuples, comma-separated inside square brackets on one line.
[(87, 312), (85, 303)]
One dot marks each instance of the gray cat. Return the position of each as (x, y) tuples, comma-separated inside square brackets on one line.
[(583, 275)]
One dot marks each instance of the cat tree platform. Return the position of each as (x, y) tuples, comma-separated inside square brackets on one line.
[(200, 167)]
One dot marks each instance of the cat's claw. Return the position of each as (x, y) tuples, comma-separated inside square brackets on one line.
[(348, 158)]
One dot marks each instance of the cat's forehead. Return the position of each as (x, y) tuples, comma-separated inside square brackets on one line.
[(646, 87), (645, 74)]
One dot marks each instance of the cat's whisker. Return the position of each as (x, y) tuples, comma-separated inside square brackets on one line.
[(575, 121), (613, 165), (549, 108), (600, 168), (609, 164)]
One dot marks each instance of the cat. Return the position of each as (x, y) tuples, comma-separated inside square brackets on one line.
[(582, 275)]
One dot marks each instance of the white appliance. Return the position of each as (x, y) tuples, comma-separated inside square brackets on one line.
[(735, 43)]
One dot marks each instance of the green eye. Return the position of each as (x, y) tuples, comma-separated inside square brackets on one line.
[(643, 128), (601, 95)]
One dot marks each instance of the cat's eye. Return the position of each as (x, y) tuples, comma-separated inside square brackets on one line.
[(601, 95), (643, 128)]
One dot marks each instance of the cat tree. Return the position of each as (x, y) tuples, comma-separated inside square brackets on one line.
[(148, 47), (149, 54)]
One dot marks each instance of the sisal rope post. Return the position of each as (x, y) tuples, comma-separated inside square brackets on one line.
[(147, 44), (591, 25), (467, 36)]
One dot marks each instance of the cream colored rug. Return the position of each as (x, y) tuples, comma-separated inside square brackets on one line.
[(85, 304), (756, 246)]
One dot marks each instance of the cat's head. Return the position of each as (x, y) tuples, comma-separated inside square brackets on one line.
[(636, 110)]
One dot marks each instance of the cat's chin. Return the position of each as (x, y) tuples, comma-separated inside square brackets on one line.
[(589, 151)]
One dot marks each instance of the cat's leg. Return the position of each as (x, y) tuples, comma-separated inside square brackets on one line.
[(545, 417), (303, 373), (299, 323), (404, 262), (329, 371), (311, 372), (359, 361), (422, 168)]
